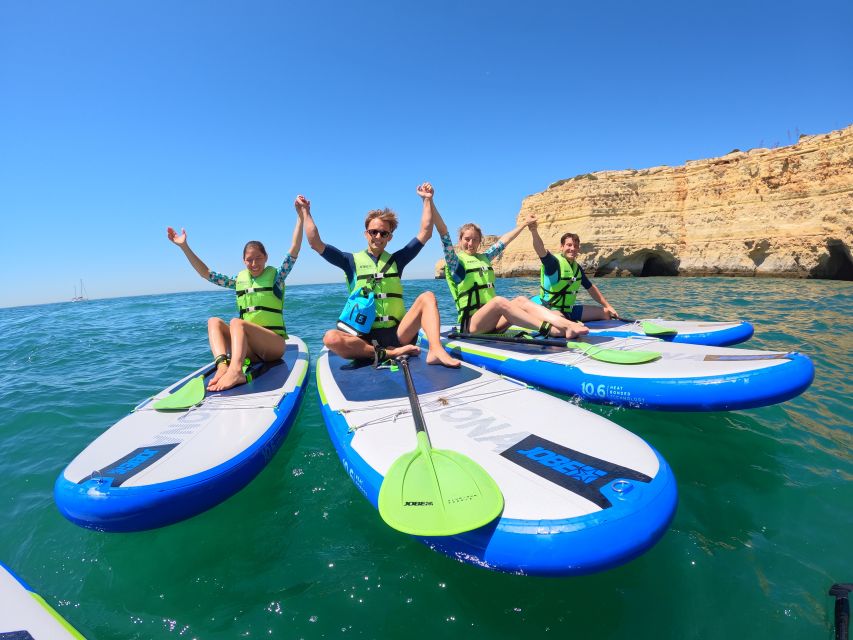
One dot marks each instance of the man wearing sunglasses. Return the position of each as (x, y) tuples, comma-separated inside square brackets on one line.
[(395, 330)]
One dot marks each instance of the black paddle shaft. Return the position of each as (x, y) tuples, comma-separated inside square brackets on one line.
[(417, 414), (546, 342), (842, 609)]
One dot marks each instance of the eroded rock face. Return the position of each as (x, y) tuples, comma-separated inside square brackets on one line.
[(764, 212)]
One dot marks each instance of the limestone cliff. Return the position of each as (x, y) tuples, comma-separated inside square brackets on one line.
[(765, 212)]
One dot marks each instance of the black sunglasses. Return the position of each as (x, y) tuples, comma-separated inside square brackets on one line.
[(379, 232)]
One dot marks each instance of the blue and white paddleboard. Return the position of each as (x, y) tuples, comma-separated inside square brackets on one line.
[(24, 614), (685, 377), (581, 494), (153, 467), (718, 334)]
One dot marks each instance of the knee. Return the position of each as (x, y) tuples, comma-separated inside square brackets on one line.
[(501, 303), (427, 298), (237, 324), (215, 323), (519, 301), (331, 339)]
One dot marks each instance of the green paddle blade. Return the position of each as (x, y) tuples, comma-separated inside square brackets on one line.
[(652, 329), (191, 394), (614, 356), (437, 492)]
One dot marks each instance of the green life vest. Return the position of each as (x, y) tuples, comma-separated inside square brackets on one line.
[(562, 296), (383, 278), (475, 290), (258, 302)]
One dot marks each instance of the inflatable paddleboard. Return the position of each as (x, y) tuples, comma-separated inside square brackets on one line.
[(581, 494), (685, 377), (24, 614), (158, 466), (718, 334)]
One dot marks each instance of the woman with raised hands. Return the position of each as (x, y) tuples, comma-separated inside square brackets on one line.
[(471, 280), (258, 334)]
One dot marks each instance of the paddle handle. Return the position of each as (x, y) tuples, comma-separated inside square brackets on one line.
[(842, 609), (417, 413)]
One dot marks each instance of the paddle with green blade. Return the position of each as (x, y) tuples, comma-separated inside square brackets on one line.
[(192, 393), (613, 356), (436, 492), (651, 328), (189, 395)]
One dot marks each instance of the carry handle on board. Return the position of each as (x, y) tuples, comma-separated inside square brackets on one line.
[(613, 356), (436, 492)]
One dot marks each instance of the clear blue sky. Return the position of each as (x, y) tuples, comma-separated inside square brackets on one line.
[(120, 118)]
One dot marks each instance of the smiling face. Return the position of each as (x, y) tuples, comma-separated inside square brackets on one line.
[(570, 247), (254, 259), (469, 241), (378, 235)]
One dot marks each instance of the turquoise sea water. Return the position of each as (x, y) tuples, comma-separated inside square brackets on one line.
[(763, 528)]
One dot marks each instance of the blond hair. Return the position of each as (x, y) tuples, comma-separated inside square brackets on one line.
[(473, 227), (386, 215)]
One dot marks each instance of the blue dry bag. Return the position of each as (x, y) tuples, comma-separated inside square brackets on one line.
[(359, 312)]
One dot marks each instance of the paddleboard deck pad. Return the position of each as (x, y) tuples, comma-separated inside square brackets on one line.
[(717, 334), (153, 467), (581, 494), (685, 377), (25, 615)]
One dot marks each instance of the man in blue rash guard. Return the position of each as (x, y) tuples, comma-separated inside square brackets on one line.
[(395, 330), (559, 278)]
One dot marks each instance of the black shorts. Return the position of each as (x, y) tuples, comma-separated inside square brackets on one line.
[(386, 337)]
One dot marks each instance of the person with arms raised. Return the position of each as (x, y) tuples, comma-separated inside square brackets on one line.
[(471, 279), (259, 333), (394, 329), (561, 277)]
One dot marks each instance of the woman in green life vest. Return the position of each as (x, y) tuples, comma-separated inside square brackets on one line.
[(259, 333), (471, 279)]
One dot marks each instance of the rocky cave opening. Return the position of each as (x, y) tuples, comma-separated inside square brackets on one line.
[(659, 265), (839, 265)]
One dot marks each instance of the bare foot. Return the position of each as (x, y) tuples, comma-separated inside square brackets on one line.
[(220, 371), (405, 350), (440, 356), (230, 379)]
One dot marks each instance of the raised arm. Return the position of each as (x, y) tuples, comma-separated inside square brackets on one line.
[(509, 236), (310, 228), (426, 192), (538, 245), (299, 204), (180, 239), (437, 220)]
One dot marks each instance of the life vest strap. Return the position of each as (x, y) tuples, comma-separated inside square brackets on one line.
[(251, 309), (243, 292), (381, 296), (474, 288)]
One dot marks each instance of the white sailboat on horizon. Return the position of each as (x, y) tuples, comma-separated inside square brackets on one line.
[(82, 297)]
